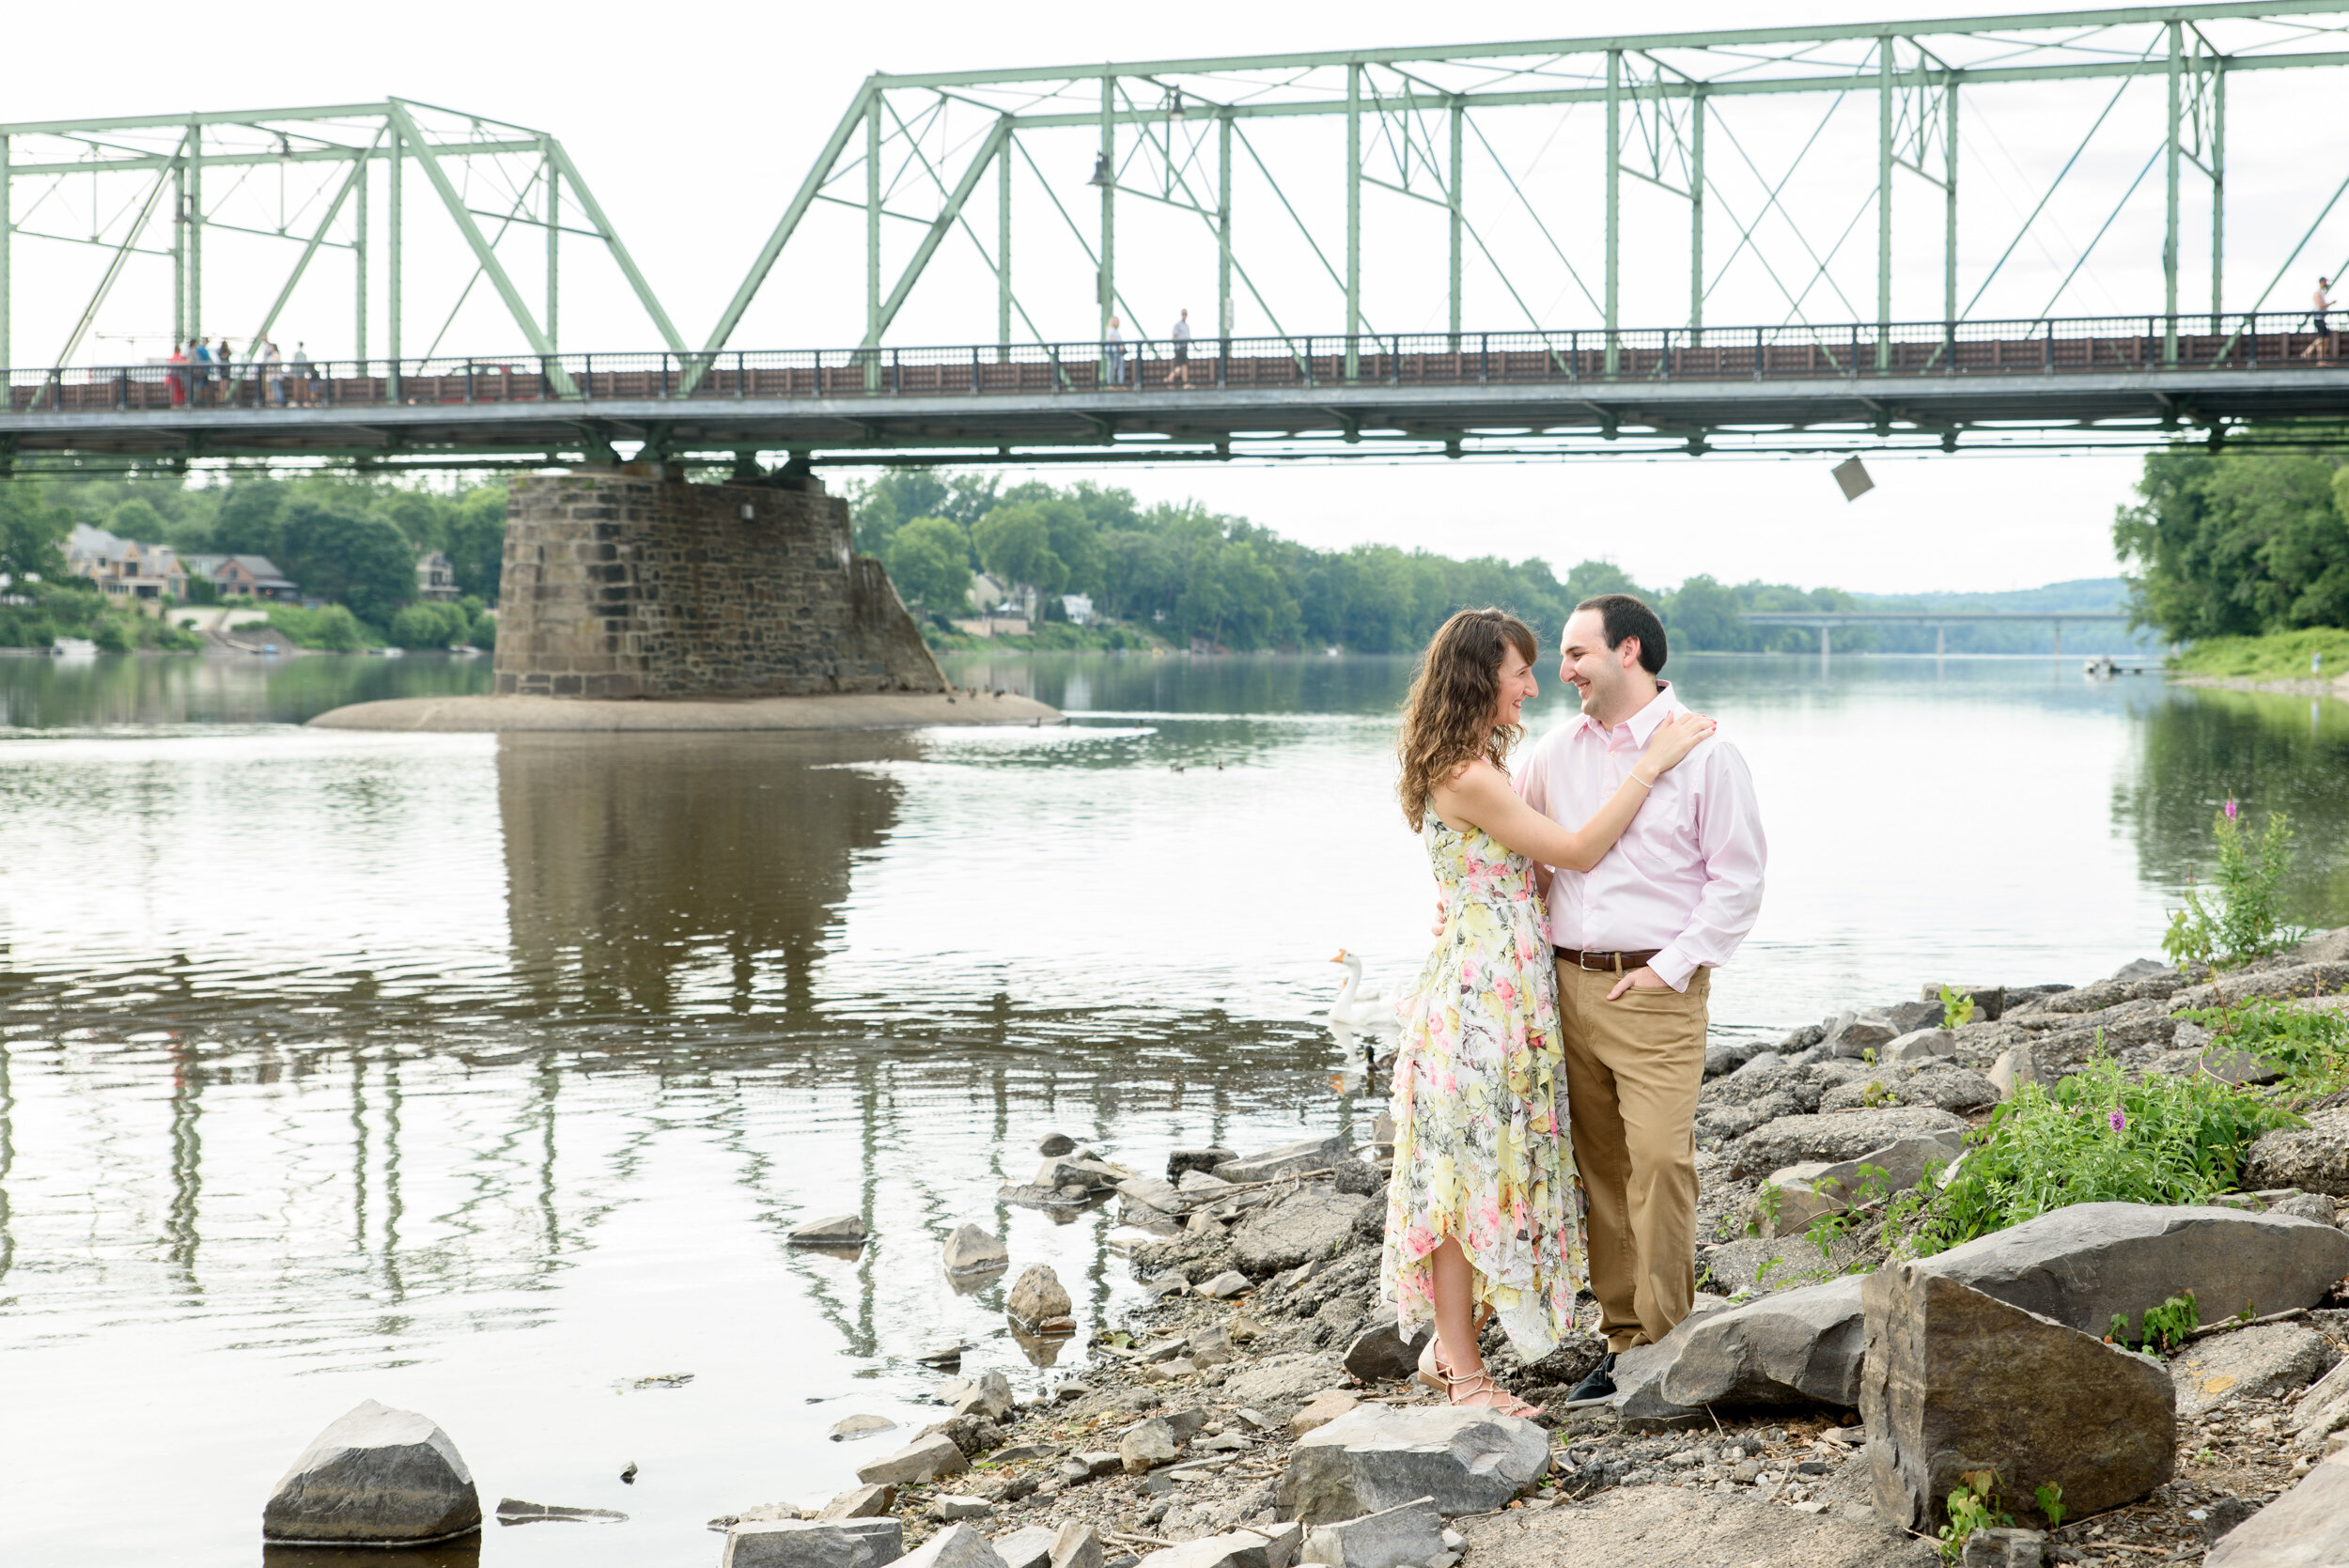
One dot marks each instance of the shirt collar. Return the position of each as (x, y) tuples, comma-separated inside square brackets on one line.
[(1643, 723)]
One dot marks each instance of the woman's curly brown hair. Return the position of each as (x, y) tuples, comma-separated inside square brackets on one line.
[(1448, 718)]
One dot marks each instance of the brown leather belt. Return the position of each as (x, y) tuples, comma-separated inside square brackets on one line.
[(1609, 963)]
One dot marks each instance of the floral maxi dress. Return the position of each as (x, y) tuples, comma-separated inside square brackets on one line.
[(1481, 1151)]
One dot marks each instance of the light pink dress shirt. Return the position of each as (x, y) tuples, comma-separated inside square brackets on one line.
[(1685, 877)]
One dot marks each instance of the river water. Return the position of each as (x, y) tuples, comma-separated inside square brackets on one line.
[(483, 1076)]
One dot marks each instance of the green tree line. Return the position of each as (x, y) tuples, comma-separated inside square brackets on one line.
[(1190, 573), (2237, 544)]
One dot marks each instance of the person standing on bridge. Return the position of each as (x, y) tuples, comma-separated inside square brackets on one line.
[(199, 372), (1114, 350), (1181, 335), (2323, 303), (273, 366), (224, 362), (304, 376), (178, 374)]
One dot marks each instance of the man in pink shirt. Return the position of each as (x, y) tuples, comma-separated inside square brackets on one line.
[(1637, 938)]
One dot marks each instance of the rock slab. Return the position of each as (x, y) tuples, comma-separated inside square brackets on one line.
[(1310, 1154), (814, 1544), (1799, 1346), (1384, 1355), (1956, 1380), (975, 1249), (375, 1475), (2264, 1362), (1392, 1538), (1381, 1456), (1832, 1136), (2315, 1159), (2085, 1265), (2306, 1528), (1308, 1225), (956, 1546), (1239, 1548), (925, 1459)]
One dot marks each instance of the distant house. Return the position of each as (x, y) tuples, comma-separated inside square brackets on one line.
[(124, 568), (1078, 608), (436, 579), (253, 577)]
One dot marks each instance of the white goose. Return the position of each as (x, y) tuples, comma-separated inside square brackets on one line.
[(1357, 1010)]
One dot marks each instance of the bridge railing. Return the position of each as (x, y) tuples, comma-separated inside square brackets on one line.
[(2274, 341)]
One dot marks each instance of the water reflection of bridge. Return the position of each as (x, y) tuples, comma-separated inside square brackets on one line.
[(372, 1156)]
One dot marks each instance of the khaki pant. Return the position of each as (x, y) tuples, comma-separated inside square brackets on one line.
[(1633, 1068)]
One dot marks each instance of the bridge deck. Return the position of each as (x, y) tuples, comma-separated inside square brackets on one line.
[(1930, 376)]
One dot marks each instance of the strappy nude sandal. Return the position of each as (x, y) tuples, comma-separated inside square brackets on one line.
[(1501, 1401), (1432, 1371)]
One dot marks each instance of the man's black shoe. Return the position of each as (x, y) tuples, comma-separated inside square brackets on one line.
[(1599, 1385)]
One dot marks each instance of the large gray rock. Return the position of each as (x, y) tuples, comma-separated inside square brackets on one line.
[(988, 1394), (2324, 1410), (975, 1250), (2265, 1363), (956, 1546), (1956, 1380), (843, 1231), (1286, 1378), (1960, 1091), (1038, 1295), (1790, 1199), (1832, 1136), (2084, 1264), (2315, 1159), (1030, 1546), (1854, 1033), (375, 1475), (1382, 1354), (1148, 1192), (2306, 1528), (1411, 1532), (1239, 1548), (1147, 1445), (1310, 1154), (814, 1544), (1310, 1224), (1799, 1346), (1379, 1456), (1916, 1049), (925, 1459), (1076, 1545)]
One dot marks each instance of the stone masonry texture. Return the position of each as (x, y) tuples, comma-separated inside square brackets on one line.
[(622, 586)]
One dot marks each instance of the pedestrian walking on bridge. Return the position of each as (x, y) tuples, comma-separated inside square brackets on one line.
[(1181, 376), (1114, 350), (2322, 343)]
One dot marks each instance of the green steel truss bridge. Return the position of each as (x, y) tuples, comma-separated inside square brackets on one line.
[(943, 177)]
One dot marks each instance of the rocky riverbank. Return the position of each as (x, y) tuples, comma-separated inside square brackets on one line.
[(1806, 1414)]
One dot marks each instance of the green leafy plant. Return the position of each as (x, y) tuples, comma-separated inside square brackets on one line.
[(1957, 1008), (2050, 1498), (1877, 1096), (2160, 1328), (1973, 1506), (2094, 1137), (2311, 1045), (2243, 920)]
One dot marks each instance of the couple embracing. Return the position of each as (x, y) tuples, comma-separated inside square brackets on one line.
[(1553, 1045)]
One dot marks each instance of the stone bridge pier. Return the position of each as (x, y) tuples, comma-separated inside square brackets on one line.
[(617, 585)]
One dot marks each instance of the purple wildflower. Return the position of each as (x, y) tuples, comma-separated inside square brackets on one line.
[(2120, 1123), (2229, 808)]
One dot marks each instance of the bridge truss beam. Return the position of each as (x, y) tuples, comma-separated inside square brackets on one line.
[(1412, 116), (324, 160)]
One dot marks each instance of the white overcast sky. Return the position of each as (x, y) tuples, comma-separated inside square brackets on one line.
[(695, 119)]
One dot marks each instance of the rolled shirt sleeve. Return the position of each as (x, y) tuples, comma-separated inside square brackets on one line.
[(1730, 838)]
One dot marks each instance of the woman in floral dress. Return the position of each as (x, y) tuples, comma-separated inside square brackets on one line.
[(1481, 1215)]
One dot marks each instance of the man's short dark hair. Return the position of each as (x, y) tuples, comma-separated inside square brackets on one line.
[(1625, 616)]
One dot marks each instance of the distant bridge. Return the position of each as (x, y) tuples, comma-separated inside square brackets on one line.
[(1825, 621)]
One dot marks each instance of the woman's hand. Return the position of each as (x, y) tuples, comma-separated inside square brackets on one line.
[(1673, 741)]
